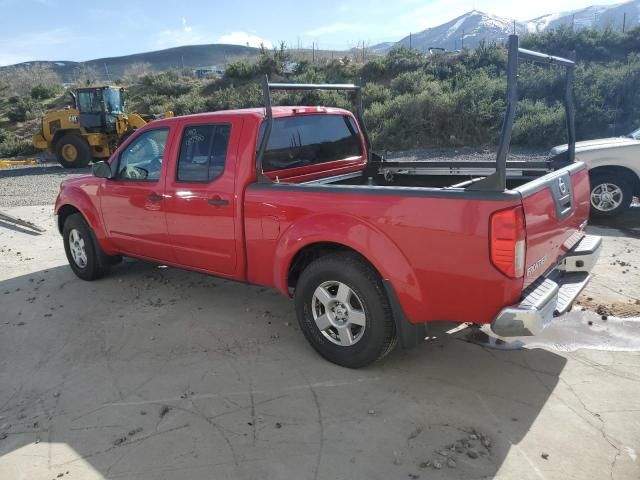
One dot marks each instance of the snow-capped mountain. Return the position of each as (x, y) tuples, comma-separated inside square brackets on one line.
[(467, 30), (595, 16), (473, 27)]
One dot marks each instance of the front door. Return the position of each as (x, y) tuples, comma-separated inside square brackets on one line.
[(132, 203), (201, 206)]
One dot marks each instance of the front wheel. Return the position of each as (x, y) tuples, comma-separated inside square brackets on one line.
[(344, 312), (86, 258), (73, 151), (610, 195)]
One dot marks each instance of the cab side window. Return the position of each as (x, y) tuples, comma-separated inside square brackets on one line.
[(203, 152), (142, 158)]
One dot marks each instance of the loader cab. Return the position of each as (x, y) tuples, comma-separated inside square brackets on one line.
[(99, 107)]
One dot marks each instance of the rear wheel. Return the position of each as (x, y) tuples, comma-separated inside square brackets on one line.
[(73, 151), (344, 312), (610, 195)]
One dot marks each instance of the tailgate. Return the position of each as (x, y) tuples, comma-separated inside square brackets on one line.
[(556, 208)]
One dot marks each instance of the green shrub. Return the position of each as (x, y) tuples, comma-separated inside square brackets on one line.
[(241, 70), (539, 125), (172, 83), (12, 145), (187, 104), (374, 70), (22, 109), (42, 92), (409, 82), (375, 93), (403, 59)]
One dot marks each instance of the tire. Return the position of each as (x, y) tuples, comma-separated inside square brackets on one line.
[(73, 151), (79, 238), (364, 310), (619, 195)]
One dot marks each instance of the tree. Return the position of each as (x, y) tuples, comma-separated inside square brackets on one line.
[(85, 75)]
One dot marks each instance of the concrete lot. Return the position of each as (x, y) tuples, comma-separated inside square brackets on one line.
[(156, 373)]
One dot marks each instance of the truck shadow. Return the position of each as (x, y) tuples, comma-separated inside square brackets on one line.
[(155, 372)]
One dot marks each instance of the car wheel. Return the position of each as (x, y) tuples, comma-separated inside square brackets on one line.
[(73, 151), (610, 195), (344, 312), (86, 258)]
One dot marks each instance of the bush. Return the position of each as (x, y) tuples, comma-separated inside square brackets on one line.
[(22, 109), (42, 92), (375, 93), (374, 70), (187, 104), (241, 70), (403, 59), (12, 145), (172, 83), (409, 82), (539, 125)]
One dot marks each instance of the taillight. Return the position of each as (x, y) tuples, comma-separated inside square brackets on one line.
[(508, 241)]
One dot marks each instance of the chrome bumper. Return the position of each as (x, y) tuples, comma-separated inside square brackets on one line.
[(551, 295)]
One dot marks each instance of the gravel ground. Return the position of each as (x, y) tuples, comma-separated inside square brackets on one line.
[(27, 185)]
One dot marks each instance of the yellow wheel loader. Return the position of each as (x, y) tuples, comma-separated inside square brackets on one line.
[(92, 127)]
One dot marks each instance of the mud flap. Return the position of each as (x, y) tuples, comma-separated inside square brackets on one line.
[(409, 334)]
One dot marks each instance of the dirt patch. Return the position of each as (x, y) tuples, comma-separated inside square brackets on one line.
[(615, 309)]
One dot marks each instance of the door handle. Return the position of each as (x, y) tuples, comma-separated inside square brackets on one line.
[(154, 198), (218, 201)]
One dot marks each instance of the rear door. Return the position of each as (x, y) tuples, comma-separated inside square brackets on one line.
[(201, 201), (556, 209)]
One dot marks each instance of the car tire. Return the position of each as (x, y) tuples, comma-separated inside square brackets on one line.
[(343, 310), (73, 151), (86, 258), (611, 195)]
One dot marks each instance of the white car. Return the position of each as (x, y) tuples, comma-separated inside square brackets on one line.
[(614, 168)]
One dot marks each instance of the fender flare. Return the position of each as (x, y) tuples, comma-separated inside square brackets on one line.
[(354, 233), (76, 198)]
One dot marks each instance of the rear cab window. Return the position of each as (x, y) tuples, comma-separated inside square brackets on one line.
[(309, 140), (203, 152)]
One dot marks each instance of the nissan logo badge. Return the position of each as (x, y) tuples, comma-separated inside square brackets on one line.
[(562, 186)]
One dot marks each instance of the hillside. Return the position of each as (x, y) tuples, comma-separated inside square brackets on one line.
[(190, 56)]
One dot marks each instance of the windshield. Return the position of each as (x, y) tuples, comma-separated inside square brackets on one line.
[(113, 100), (635, 134)]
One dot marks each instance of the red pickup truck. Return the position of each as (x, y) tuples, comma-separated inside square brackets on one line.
[(292, 198)]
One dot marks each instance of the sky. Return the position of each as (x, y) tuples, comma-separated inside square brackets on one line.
[(77, 31)]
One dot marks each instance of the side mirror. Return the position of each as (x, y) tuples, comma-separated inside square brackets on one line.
[(101, 169)]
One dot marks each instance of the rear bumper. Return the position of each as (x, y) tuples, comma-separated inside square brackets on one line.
[(551, 295)]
